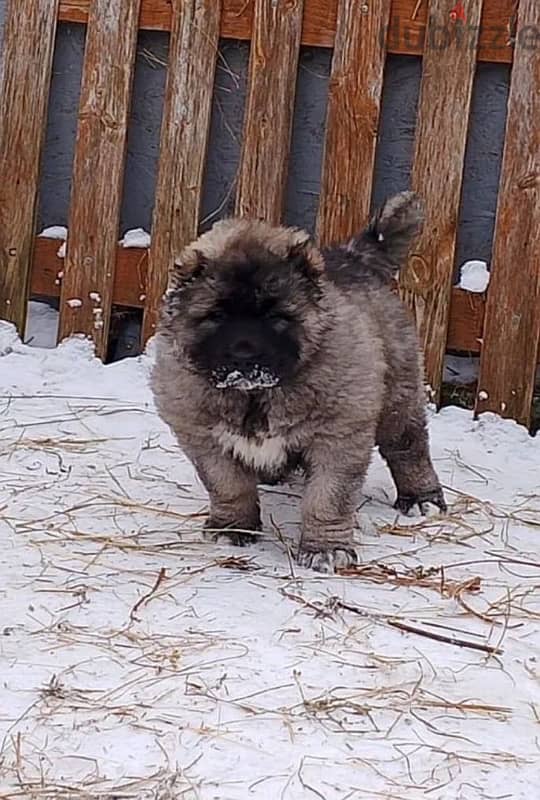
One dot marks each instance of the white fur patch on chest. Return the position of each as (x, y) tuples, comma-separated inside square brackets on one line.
[(268, 453)]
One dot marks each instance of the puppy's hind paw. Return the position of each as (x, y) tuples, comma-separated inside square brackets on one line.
[(423, 500), (328, 561)]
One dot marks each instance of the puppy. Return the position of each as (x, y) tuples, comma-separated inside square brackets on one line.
[(273, 356)]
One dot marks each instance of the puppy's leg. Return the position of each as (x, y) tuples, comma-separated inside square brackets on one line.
[(335, 472), (234, 504), (403, 441)]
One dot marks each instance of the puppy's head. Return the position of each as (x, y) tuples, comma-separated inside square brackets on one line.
[(244, 304)]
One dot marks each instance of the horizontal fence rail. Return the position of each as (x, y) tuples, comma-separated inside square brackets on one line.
[(452, 36), (406, 31), (130, 287)]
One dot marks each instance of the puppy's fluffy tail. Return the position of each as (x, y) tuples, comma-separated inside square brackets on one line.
[(380, 250), (395, 225)]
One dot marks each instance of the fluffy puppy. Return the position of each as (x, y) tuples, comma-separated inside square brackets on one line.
[(272, 356)]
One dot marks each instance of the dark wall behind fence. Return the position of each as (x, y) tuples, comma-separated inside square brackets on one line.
[(394, 155)]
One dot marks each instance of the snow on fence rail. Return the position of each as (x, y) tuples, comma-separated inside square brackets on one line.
[(502, 324)]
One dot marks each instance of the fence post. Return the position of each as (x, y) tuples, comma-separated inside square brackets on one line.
[(354, 103), (184, 139), (28, 53), (509, 353), (98, 170), (449, 67), (273, 64)]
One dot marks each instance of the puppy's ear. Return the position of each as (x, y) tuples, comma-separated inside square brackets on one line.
[(191, 265), (303, 256)]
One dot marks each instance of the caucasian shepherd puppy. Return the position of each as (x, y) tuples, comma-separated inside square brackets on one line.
[(272, 355)]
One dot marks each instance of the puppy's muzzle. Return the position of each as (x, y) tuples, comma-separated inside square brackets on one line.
[(249, 379), (243, 355)]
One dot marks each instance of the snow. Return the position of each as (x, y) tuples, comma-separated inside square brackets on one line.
[(137, 237), (474, 276), (55, 232), (258, 378), (137, 660)]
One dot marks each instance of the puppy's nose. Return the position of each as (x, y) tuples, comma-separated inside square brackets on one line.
[(243, 350)]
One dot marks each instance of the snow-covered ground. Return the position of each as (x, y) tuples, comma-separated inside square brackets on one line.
[(138, 661)]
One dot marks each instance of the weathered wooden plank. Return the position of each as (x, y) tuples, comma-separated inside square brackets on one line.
[(184, 137), (441, 137), (28, 51), (354, 101), (466, 311), (406, 33), (98, 170), (266, 139), (512, 329)]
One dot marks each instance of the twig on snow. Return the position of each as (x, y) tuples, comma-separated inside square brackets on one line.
[(146, 597)]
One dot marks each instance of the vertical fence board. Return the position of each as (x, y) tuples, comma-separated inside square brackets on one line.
[(352, 118), (87, 285), (184, 139), (441, 136), (512, 326), (273, 66), (27, 61)]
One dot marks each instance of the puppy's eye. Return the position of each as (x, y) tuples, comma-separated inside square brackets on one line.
[(280, 322), (211, 319), (215, 316)]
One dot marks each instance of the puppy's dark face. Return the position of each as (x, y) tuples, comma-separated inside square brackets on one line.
[(243, 319), (249, 337)]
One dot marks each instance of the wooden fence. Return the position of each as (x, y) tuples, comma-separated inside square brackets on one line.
[(504, 326)]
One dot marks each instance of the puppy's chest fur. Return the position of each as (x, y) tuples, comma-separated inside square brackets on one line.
[(250, 440)]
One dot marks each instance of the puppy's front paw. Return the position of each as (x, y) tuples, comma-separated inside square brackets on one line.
[(239, 539), (328, 560), (422, 499), (238, 535)]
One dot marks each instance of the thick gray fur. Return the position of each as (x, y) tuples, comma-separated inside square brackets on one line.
[(358, 383)]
